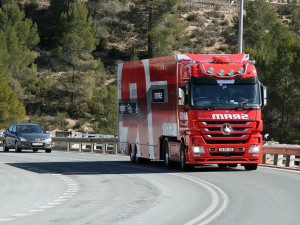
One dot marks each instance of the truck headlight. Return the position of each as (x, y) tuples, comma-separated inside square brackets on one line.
[(254, 149), (23, 139), (198, 149)]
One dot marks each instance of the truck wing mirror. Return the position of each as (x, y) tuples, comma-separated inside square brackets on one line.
[(264, 95), (181, 96)]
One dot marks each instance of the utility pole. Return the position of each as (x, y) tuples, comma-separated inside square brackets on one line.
[(240, 49)]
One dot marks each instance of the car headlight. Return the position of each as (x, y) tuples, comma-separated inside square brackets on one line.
[(198, 149), (23, 139), (48, 140), (254, 149)]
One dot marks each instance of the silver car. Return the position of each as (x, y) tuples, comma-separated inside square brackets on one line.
[(27, 136)]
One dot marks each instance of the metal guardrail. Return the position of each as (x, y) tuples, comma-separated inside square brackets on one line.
[(93, 144), (281, 155)]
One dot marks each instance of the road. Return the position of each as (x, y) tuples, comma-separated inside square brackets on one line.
[(83, 188)]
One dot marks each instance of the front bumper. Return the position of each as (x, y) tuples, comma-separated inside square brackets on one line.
[(213, 155), (35, 145)]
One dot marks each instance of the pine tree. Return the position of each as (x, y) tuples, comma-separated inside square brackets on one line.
[(81, 72), (156, 25), (11, 109), (20, 39)]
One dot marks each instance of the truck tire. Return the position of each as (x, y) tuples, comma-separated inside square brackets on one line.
[(138, 160), (250, 166), (168, 162), (132, 157), (221, 166), (183, 165), (5, 148)]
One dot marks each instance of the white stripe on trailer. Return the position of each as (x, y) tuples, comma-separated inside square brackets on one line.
[(149, 111), (133, 92), (123, 131)]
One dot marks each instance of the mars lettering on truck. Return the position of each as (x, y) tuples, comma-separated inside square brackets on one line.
[(192, 109)]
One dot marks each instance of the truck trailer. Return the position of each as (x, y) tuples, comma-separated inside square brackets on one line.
[(191, 109)]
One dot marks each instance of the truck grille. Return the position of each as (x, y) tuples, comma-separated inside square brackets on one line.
[(212, 131)]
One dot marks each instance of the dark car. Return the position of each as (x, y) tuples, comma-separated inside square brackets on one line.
[(26, 136)]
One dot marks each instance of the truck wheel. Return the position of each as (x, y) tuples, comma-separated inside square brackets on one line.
[(233, 165), (250, 166), (17, 149), (48, 150), (5, 148), (168, 163), (132, 157), (35, 150), (222, 166), (183, 165), (138, 160)]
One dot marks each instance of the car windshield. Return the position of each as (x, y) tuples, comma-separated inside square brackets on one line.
[(30, 129), (225, 95)]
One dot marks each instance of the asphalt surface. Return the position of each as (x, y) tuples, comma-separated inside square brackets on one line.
[(83, 188)]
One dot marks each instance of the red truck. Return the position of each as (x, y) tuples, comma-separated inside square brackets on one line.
[(191, 109)]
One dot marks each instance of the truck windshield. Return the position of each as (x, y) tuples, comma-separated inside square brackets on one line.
[(225, 95)]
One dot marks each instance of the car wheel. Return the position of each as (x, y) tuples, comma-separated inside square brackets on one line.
[(35, 150), (17, 148), (48, 150), (5, 148)]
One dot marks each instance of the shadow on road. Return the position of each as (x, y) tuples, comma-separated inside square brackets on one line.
[(110, 167)]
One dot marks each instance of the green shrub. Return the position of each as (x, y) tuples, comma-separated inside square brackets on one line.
[(191, 17)]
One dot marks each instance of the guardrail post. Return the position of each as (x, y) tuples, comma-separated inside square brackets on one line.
[(69, 146), (275, 159), (287, 160), (80, 147), (264, 158), (104, 150), (92, 147), (116, 149)]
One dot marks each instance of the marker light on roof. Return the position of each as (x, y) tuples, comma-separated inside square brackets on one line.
[(210, 70), (221, 72), (230, 72), (240, 70)]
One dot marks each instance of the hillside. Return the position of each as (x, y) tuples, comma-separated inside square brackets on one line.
[(62, 55)]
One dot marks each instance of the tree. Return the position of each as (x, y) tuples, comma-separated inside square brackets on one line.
[(284, 87), (20, 39), (105, 109), (80, 71), (156, 25), (11, 109), (295, 23), (276, 51)]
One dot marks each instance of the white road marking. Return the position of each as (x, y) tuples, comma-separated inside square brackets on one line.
[(207, 216)]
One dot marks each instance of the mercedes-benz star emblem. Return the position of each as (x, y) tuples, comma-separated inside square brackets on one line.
[(226, 129)]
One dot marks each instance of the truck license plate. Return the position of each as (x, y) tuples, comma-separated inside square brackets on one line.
[(226, 149)]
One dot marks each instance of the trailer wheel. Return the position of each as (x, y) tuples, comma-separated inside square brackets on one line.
[(132, 157), (250, 166), (138, 160), (168, 162), (183, 165)]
